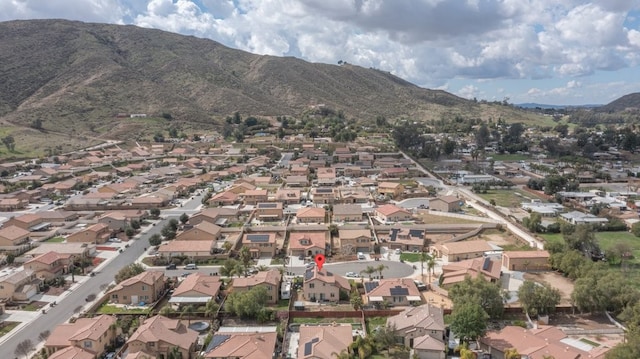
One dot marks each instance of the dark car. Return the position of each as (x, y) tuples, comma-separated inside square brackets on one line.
[(171, 266)]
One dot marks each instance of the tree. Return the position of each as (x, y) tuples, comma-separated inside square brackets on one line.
[(135, 224), (635, 229), (155, 240), (184, 218), (538, 299), (369, 271), (468, 321), (188, 311), (168, 232), (245, 256), (423, 258), (533, 222), (167, 310), (24, 348), (154, 212), (130, 232), (380, 268), (431, 264), (478, 290), (344, 354), (582, 239), (247, 304), (9, 142), (227, 246), (129, 271), (356, 300), (211, 309), (512, 353), (228, 268), (174, 353)]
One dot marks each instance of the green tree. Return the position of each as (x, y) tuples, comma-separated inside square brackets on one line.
[(538, 299), (512, 353), (478, 290), (184, 218), (9, 142), (245, 256), (635, 229), (369, 271), (228, 268), (135, 224), (129, 271), (356, 300), (167, 310), (168, 232), (154, 212), (380, 268), (468, 321), (211, 309), (247, 304), (174, 353), (431, 264), (130, 232), (155, 240), (533, 222)]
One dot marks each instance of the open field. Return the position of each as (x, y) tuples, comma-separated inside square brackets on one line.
[(435, 219), (607, 240), (508, 197)]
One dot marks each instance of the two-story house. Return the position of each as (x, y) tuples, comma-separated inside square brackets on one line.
[(395, 292), (19, 285), (322, 285), (270, 280), (89, 334), (413, 323), (325, 195), (49, 265), (255, 196), (145, 287), (390, 189), (407, 239), (158, 335), (261, 245), (355, 240), (307, 243), (242, 345), (204, 231), (98, 233)]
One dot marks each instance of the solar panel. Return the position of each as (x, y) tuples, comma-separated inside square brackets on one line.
[(398, 290), (308, 346), (216, 340), (369, 286), (267, 205), (486, 264), (416, 233), (393, 235), (258, 237), (324, 190), (308, 274)]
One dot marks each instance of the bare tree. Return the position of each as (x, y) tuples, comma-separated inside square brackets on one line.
[(24, 348), (44, 335)]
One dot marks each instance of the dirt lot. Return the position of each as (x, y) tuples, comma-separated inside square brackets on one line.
[(564, 285)]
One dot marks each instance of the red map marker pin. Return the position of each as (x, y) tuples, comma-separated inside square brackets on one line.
[(319, 261)]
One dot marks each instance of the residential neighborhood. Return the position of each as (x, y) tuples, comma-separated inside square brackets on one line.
[(207, 250)]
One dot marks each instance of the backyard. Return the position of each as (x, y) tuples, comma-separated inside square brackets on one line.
[(508, 197)]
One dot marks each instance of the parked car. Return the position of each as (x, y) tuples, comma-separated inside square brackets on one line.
[(351, 275), (421, 286), (171, 266), (191, 266), (398, 251), (361, 256), (114, 240)]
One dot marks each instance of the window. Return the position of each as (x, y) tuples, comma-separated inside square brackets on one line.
[(87, 344), (114, 296), (311, 285), (124, 297), (333, 295), (152, 344), (144, 287)]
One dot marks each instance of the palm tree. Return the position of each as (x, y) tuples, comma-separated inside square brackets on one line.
[(423, 258), (188, 312), (227, 269), (512, 353), (431, 263), (245, 256), (369, 271), (263, 268), (240, 269), (380, 268), (211, 309), (167, 310), (344, 354), (175, 353)]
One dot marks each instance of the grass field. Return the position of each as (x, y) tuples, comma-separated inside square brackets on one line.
[(411, 257), (7, 327), (606, 241), (55, 240), (112, 309), (508, 197)]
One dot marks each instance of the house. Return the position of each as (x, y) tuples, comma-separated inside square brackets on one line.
[(416, 322), (151, 201), (12, 204), (97, 233), (194, 249), (75, 250), (323, 341), (540, 343), (311, 215), (269, 211), (197, 289), (88, 334), (445, 204), (217, 216), (457, 251), (354, 195), (395, 292), (72, 352), (225, 198), (353, 241), (390, 189), (255, 196), (455, 272), (204, 231), (13, 236), (526, 260), (576, 217), (307, 243), (287, 196), (297, 181), (48, 265), (261, 245), (19, 285), (324, 195), (392, 213), (406, 239), (28, 222), (158, 335), (242, 345), (322, 285), (269, 279), (145, 287), (116, 221), (347, 213), (326, 176)]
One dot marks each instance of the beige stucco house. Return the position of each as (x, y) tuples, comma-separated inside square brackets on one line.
[(145, 287)]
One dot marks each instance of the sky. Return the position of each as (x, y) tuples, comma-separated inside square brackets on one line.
[(562, 52)]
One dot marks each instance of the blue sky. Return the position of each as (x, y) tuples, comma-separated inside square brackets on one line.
[(546, 51)]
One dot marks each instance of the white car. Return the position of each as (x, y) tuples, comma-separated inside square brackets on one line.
[(115, 240), (351, 275), (398, 251), (361, 256)]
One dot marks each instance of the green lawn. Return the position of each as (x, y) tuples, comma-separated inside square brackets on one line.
[(112, 309), (411, 257), (606, 241), (30, 308), (55, 240), (6, 327), (283, 304), (375, 322), (508, 197)]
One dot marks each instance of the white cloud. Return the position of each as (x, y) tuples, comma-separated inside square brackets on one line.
[(469, 92)]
